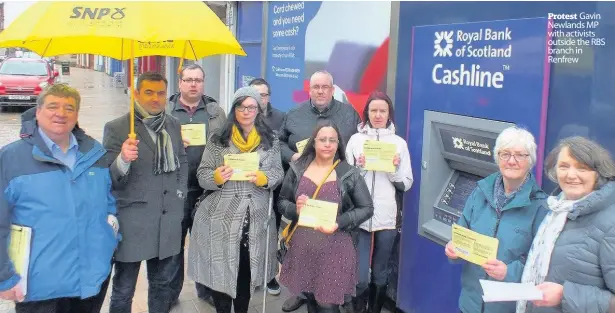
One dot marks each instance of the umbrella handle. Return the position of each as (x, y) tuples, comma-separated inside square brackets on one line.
[(132, 134)]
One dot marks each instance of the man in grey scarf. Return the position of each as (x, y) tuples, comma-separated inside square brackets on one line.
[(149, 176)]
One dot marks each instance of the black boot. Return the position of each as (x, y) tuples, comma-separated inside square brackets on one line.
[(377, 295), (360, 302), (312, 305), (329, 309), (348, 307)]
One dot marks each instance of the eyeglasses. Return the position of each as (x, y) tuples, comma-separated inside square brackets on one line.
[(192, 81), (505, 156), (324, 140), (250, 109), (323, 88)]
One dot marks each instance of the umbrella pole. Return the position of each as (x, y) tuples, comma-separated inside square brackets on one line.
[(132, 134), (181, 61), (265, 280)]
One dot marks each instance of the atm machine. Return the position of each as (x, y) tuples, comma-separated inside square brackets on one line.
[(465, 88), (457, 153)]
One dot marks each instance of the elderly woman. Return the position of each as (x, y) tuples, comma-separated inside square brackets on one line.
[(509, 206), (572, 259), (321, 262), (228, 239)]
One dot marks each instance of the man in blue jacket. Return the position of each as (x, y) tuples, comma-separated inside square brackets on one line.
[(54, 181)]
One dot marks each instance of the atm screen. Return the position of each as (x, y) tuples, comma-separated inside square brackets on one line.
[(450, 206)]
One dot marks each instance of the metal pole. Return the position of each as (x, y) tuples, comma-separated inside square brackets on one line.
[(265, 281)]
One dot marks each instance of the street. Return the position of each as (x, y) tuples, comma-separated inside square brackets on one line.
[(100, 103)]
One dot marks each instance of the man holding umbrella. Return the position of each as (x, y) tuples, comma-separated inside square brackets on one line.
[(150, 184)]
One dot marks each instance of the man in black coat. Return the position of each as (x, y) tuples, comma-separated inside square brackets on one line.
[(194, 109)]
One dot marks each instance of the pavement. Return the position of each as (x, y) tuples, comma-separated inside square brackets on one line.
[(100, 103)]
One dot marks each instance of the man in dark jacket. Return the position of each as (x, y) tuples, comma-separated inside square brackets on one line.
[(300, 121), (199, 112), (274, 118), (150, 180), (299, 124)]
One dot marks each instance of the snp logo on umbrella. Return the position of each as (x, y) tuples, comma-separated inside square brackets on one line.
[(443, 45), (98, 13)]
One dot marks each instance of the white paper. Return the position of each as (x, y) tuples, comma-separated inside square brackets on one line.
[(495, 291)]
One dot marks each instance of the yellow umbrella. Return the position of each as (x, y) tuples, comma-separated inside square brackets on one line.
[(121, 30)]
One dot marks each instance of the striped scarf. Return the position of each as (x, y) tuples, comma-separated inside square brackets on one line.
[(165, 160), (499, 193)]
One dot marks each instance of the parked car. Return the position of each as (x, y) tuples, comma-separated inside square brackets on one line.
[(33, 55), (22, 80)]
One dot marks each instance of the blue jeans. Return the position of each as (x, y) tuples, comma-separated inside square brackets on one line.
[(383, 248), (203, 292), (160, 292)]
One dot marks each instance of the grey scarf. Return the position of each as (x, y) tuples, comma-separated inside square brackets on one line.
[(164, 159), (539, 258)]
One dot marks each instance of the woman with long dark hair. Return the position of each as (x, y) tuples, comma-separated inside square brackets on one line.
[(321, 262), (387, 190), (229, 235)]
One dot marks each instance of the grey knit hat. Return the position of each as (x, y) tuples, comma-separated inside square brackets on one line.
[(248, 91)]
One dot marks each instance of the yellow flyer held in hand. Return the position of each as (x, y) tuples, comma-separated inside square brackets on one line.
[(242, 164), (301, 145), (379, 156), (474, 247), (195, 133), (318, 213), (19, 252)]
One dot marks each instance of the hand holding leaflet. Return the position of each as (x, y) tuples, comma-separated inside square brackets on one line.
[(318, 213), (379, 156), (494, 291), (242, 164), (301, 145), (474, 247), (19, 252), (195, 134)]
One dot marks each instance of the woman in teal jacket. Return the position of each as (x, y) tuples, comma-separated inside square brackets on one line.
[(508, 205)]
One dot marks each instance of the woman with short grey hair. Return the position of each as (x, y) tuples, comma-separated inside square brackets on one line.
[(508, 205), (519, 137), (572, 260)]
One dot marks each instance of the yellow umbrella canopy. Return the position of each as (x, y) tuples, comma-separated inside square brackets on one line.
[(122, 30), (184, 29)]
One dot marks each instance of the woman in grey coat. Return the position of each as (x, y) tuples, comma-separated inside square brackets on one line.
[(229, 235), (572, 259)]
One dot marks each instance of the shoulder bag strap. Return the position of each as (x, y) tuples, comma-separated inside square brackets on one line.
[(292, 231)]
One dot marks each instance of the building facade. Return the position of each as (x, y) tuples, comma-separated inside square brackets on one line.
[(370, 46)]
